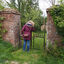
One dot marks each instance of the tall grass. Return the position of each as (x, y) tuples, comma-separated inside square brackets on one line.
[(5, 51)]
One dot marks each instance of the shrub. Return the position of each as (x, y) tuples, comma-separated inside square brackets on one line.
[(57, 12)]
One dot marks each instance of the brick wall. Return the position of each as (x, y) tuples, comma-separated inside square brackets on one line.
[(52, 35), (12, 25)]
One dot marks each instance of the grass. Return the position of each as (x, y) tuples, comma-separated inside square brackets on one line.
[(8, 54), (38, 43), (5, 49)]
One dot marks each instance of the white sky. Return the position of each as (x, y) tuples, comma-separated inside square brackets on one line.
[(43, 4)]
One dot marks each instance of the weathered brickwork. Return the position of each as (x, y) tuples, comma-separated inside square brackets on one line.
[(12, 25), (52, 35)]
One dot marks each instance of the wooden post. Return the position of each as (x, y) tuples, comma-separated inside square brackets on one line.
[(20, 42), (44, 39), (31, 43), (44, 34), (33, 40)]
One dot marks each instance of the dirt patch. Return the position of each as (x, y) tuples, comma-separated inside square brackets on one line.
[(25, 63), (14, 62), (35, 56)]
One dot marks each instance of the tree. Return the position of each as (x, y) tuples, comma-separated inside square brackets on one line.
[(29, 10), (1, 6), (61, 1), (52, 2), (12, 4)]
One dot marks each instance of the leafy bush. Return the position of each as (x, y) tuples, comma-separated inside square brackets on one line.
[(57, 12)]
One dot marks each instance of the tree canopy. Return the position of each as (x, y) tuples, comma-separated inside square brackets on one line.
[(29, 10), (1, 6)]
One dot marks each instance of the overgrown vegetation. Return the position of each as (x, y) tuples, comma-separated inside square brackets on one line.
[(29, 10), (1, 6), (5, 50), (9, 54), (2, 30), (56, 51), (57, 12)]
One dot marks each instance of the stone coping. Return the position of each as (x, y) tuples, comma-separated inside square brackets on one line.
[(9, 11)]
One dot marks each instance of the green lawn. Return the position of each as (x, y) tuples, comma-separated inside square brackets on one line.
[(8, 54)]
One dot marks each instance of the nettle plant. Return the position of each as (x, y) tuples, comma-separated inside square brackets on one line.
[(57, 12), (2, 30)]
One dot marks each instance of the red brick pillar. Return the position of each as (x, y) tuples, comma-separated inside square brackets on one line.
[(52, 35), (12, 25)]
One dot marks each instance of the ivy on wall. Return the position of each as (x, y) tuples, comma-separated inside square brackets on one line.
[(2, 30), (57, 12)]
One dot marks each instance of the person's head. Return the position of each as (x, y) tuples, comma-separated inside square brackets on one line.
[(30, 22)]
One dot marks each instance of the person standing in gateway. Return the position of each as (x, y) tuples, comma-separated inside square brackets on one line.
[(26, 32)]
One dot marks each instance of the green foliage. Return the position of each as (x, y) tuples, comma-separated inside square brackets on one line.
[(29, 10), (12, 4), (2, 18), (0, 25), (57, 12), (1, 6), (2, 30), (5, 49), (55, 50), (34, 56), (61, 1)]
